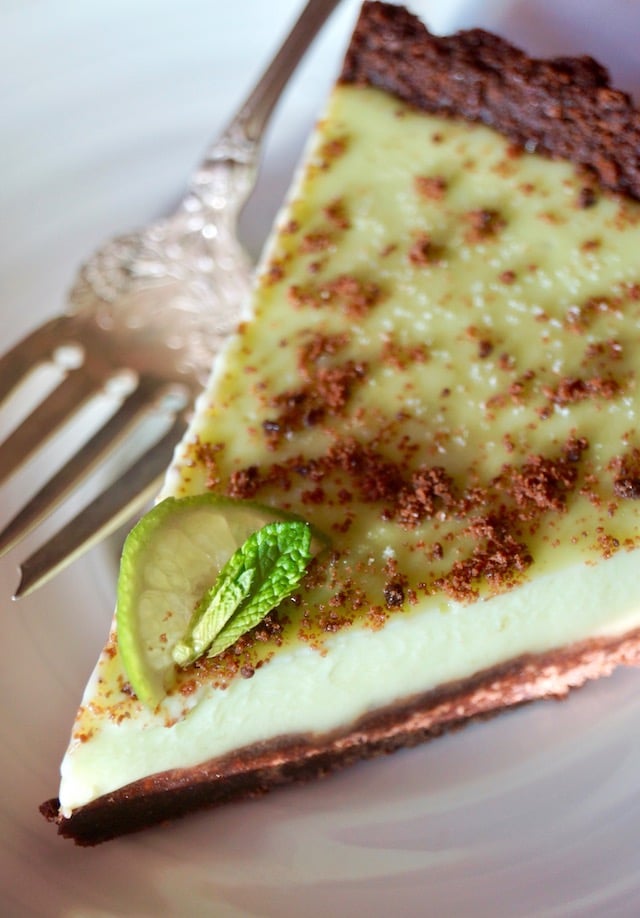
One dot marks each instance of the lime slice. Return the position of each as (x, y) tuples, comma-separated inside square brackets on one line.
[(169, 560)]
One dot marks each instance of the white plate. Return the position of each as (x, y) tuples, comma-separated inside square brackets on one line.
[(105, 107)]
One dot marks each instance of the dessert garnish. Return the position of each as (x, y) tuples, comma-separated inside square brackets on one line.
[(169, 614), (258, 576)]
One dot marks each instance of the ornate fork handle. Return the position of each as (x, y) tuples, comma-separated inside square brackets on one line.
[(191, 260), (237, 150)]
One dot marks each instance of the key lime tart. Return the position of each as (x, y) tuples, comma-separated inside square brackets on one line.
[(410, 495)]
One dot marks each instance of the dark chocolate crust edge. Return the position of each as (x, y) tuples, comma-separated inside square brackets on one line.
[(255, 770), (564, 107)]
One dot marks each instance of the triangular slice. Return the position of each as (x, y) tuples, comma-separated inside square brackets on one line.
[(440, 373)]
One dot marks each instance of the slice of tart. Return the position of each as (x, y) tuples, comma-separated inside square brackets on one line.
[(440, 374)]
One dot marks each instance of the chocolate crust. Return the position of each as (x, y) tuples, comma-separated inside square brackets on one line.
[(564, 107), (254, 770)]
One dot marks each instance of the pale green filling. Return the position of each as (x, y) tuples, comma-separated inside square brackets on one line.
[(562, 257)]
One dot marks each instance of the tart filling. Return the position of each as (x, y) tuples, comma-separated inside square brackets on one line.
[(439, 373)]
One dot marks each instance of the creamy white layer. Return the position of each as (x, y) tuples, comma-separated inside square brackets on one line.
[(301, 691)]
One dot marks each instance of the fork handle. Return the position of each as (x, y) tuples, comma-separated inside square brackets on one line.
[(255, 112), (248, 125)]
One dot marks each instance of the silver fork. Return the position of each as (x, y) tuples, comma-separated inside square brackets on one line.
[(157, 304)]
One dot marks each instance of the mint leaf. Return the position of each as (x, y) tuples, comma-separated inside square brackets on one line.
[(257, 577)]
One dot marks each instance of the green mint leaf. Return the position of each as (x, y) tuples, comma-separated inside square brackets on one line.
[(257, 577), (214, 609)]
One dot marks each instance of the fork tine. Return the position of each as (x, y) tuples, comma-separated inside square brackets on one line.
[(33, 350), (44, 420), (81, 464), (115, 506)]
